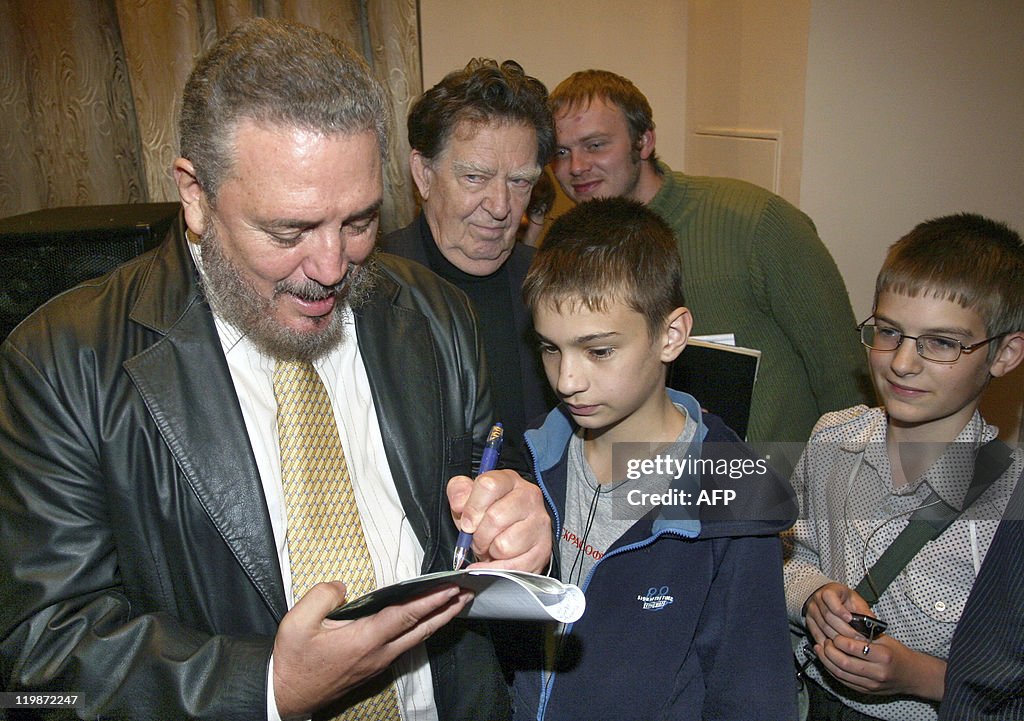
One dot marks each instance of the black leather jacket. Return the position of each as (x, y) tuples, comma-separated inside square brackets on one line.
[(137, 562)]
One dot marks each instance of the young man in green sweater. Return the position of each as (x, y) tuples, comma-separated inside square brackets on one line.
[(753, 264)]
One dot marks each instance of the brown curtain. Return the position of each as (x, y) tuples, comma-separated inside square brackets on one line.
[(89, 89)]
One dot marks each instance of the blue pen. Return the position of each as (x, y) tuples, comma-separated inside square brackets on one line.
[(488, 461)]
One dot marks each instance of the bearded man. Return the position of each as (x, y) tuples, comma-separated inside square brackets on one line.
[(168, 548)]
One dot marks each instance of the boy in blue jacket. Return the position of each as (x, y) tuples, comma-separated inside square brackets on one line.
[(664, 518)]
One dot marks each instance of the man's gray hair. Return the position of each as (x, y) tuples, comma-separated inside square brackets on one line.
[(281, 73)]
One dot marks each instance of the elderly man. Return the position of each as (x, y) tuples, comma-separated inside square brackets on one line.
[(753, 265), (198, 449), (479, 140)]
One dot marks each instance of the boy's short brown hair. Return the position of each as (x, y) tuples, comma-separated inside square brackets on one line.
[(607, 250), (965, 258)]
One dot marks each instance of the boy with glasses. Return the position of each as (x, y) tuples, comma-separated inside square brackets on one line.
[(948, 316)]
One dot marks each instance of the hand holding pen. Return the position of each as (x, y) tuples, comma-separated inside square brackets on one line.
[(488, 462)]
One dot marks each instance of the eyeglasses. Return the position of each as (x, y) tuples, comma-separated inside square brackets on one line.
[(936, 348)]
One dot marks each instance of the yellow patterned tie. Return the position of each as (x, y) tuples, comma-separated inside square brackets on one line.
[(325, 536)]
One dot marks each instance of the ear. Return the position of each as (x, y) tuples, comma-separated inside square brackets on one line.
[(677, 332), (645, 144), (192, 195), (1009, 356), (422, 173)]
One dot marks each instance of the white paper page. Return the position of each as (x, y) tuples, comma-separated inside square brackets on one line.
[(531, 599), (720, 338)]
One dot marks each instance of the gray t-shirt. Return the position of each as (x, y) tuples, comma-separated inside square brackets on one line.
[(597, 515)]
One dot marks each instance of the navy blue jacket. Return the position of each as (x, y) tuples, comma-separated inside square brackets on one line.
[(686, 616), (985, 669)]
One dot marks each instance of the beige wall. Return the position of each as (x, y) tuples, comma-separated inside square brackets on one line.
[(914, 109), (746, 64)]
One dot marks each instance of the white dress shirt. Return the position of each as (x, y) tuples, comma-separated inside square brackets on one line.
[(394, 549)]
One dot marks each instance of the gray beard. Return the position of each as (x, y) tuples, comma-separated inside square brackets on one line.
[(234, 299)]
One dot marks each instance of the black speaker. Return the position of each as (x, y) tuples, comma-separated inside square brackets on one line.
[(48, 251)]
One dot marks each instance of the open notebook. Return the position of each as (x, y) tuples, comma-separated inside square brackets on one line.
[(500, 594)]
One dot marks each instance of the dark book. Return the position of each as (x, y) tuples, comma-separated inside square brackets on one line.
[(721, 377), (498, 593)]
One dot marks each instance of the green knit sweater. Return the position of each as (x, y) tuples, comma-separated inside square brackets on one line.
[(753, 265)]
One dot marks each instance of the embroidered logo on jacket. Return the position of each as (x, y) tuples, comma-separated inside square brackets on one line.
[(656, 599)]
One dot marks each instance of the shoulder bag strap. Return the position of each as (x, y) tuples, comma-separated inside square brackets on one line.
[(931, 518)]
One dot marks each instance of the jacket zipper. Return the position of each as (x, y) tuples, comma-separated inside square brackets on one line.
[(546, 688)]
